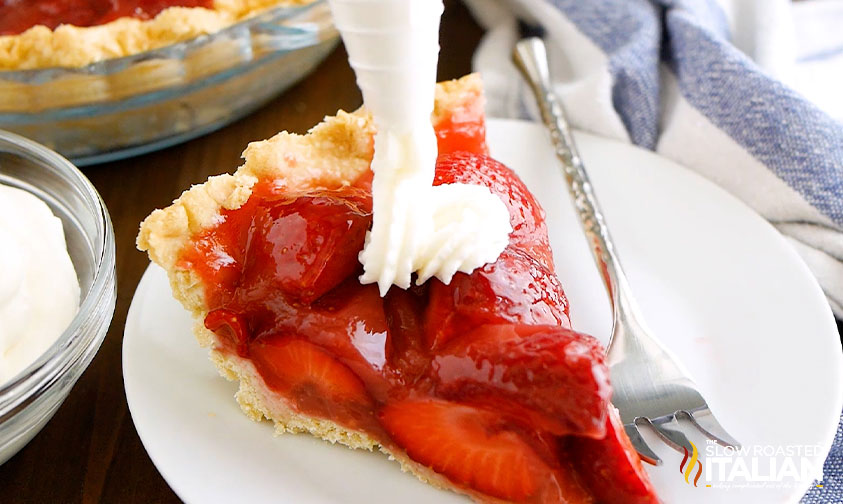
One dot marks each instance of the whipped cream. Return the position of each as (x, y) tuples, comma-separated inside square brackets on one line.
[(433, 231), (39, 291)]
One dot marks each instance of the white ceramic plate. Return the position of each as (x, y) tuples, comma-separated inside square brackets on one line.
[(716, 283)]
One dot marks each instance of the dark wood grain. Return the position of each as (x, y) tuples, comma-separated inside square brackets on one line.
[(90, 451)]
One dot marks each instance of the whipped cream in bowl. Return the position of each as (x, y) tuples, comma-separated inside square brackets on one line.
[(393, 46), (57, 284), (39, 291)]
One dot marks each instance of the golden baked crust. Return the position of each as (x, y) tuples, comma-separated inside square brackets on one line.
[(72, 46), (333, 153)]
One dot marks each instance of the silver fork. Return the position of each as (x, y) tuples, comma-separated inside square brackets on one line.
[(650, 387)]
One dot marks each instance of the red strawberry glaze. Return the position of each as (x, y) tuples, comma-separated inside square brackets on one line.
[(462, 133), (543, 373), (467, 378), (463, 129), (515, 288), (18, 16)]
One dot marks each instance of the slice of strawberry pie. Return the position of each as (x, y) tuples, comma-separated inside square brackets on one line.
[(479, 386)]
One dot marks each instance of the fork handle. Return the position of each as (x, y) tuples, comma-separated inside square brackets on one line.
[(530, 56)]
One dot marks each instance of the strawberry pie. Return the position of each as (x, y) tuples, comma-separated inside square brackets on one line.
[(75, 33), (479, 386)]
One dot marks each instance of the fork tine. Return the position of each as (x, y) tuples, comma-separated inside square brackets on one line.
[(668, 429), (704, 420), (644, 451)]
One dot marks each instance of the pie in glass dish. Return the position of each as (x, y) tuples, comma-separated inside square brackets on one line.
[(75, 33), (479, 386), (98, 80)]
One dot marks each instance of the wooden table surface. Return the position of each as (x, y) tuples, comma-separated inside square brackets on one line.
[(90, 451)]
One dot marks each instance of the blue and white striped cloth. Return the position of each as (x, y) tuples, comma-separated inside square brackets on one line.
[(702, 82)]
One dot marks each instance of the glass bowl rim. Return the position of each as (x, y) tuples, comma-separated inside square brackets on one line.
[(30, 383)]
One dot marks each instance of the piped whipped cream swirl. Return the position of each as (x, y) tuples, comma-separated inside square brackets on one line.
[(417, 228), (39, 290)]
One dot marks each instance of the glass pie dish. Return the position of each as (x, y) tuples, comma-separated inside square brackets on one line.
[(127, 106), (29, 400)]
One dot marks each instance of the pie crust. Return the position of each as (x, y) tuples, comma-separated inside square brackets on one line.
[(332, 154), (72, 46)]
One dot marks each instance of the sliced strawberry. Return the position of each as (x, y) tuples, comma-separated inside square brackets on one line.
[(405, 346), (462, 133), (349, 322), (610, 467), (309, 244), (529, 231), (463, 126), (311, 378), (551, 377), (218, 254), (514, 289), (232, 327), (471, 447), (300, 245)]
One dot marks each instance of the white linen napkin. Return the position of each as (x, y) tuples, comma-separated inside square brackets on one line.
[(707, 83)]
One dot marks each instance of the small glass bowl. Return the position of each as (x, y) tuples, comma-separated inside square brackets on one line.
[(127, 106), (31, 398)]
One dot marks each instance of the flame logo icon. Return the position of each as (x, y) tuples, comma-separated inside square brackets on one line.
[(694, 461)]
